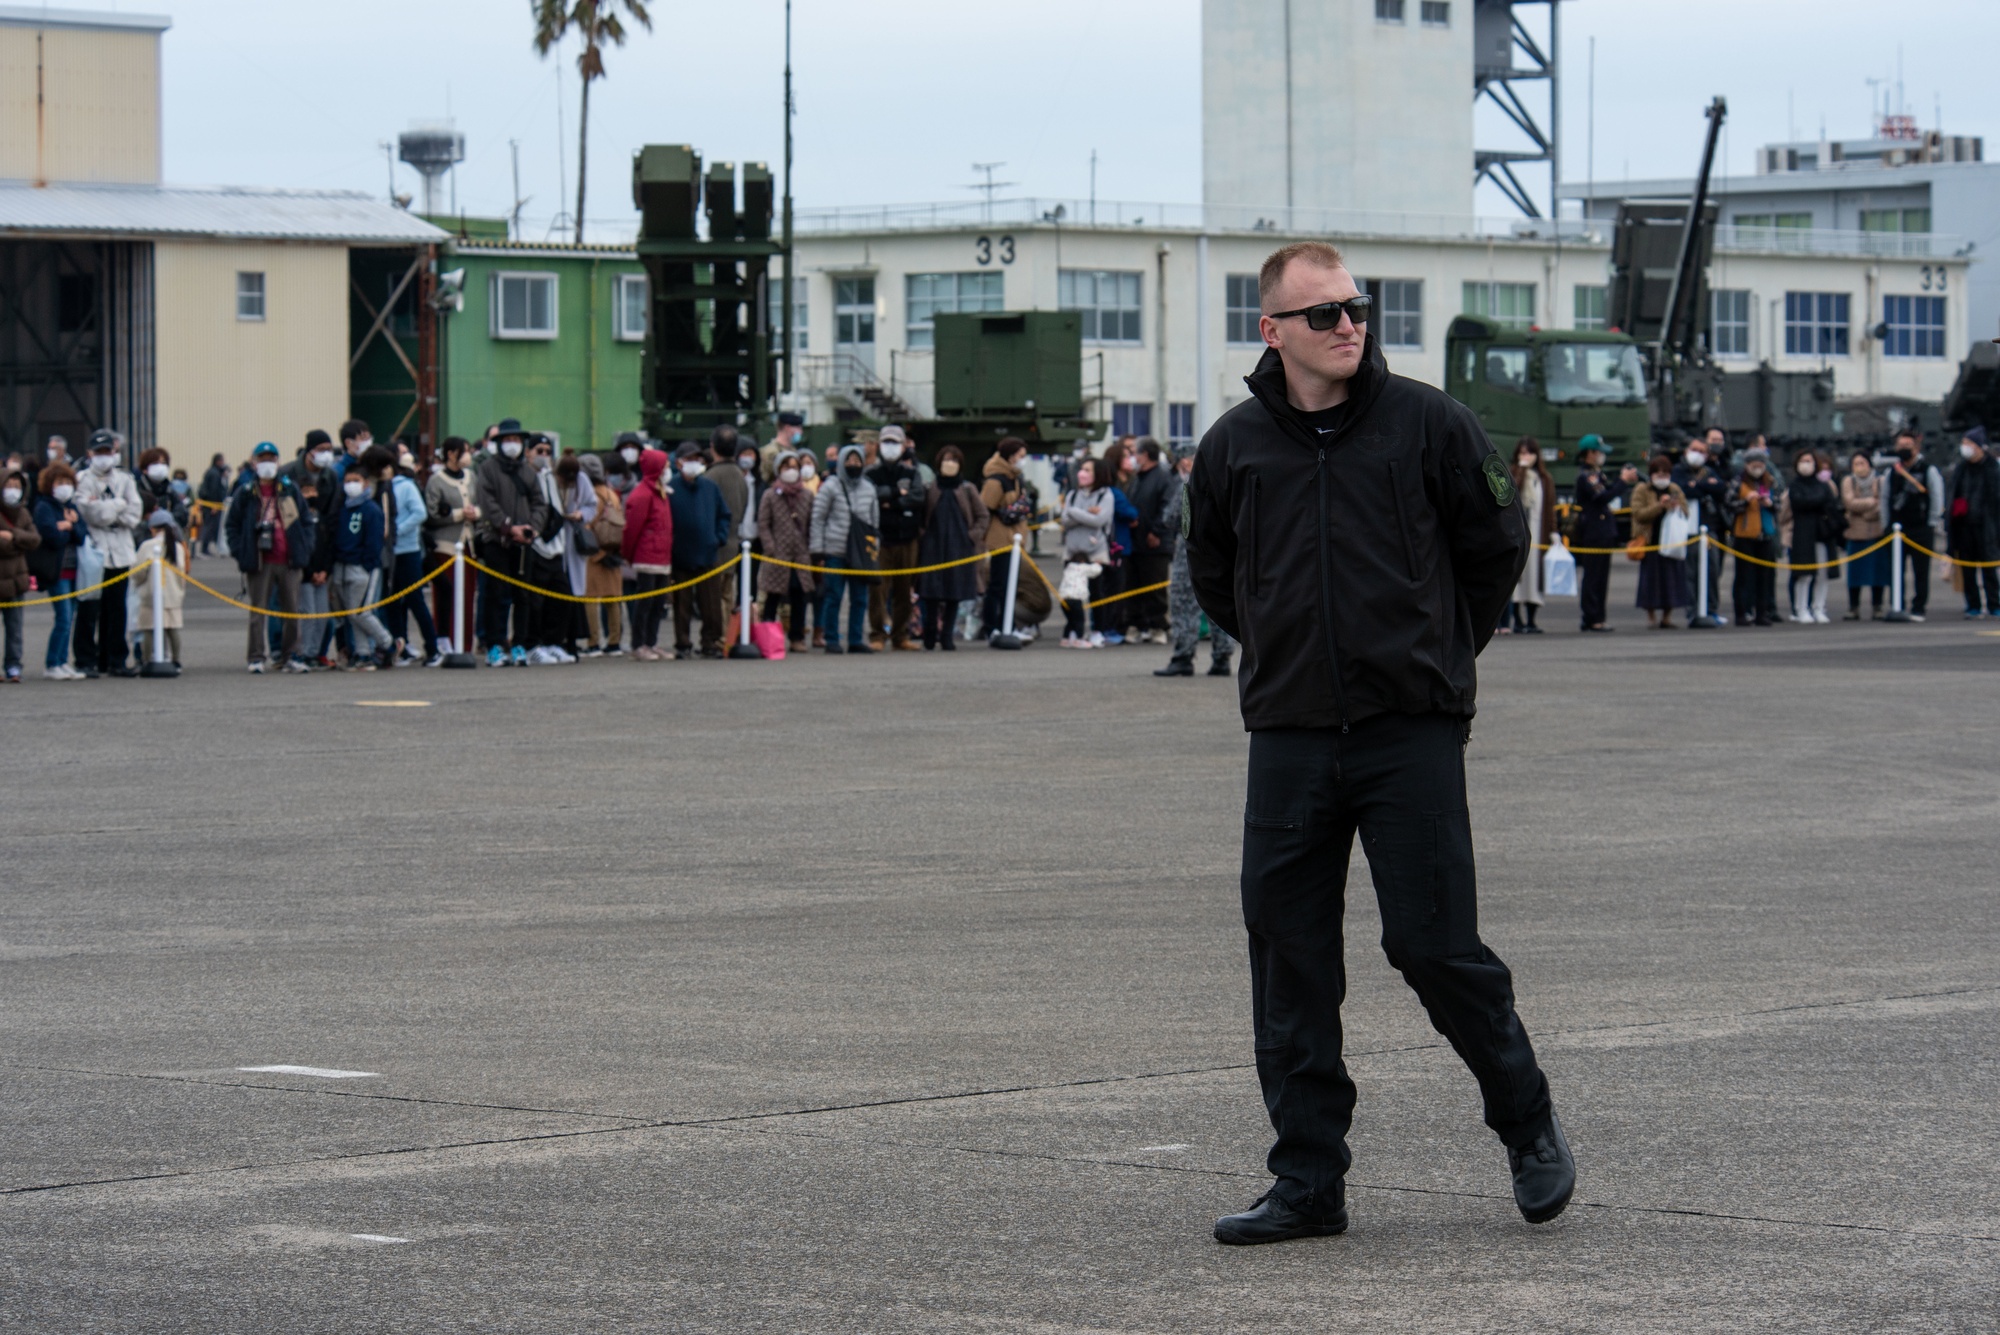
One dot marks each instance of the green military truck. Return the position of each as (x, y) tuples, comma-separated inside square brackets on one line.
[(1557, 385)]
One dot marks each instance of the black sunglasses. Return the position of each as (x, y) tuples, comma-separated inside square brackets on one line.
[(1327, 314)]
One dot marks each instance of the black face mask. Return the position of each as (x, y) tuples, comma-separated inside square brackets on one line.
[(852, 470), (1907, 456)]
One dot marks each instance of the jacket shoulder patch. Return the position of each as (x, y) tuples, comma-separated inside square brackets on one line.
[(1498, 480)]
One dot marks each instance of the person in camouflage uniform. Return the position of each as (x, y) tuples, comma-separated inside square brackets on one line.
[(1183, 613)]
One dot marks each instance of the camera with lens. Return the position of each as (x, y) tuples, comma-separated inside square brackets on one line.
[(267, 535)]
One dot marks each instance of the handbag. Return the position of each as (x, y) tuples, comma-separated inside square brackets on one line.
[(89, 568), (1559, 571), (768, 636), (583, 539), (1676, 530), (863, 558), (1635, 550)]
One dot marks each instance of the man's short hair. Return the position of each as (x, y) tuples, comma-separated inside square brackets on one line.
[(1273, 272), (375, 458), (1150, 448), (354, 429), (722, 440)]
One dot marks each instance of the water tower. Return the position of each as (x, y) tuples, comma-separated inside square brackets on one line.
[(433, 148)]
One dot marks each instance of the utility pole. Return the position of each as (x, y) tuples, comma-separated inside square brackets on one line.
[(514, 218), (785, 264), (1093, 187)]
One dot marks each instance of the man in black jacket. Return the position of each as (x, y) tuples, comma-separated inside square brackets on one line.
[(899, 495), (1357, 533), (1156, 496), (1972, 521)]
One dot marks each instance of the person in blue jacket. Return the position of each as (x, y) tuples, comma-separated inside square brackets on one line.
[(357, 569), (406, 559), (701, 531)]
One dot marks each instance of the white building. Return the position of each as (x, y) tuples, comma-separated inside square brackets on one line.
[(1170, 305)]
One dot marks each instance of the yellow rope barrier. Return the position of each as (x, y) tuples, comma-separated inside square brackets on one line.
[(730, 564), (1842, 560), (76, 593), (882, 574), (1940, 556), (395, 597)]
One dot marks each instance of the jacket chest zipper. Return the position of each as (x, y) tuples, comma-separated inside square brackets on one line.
[(1326, 589)]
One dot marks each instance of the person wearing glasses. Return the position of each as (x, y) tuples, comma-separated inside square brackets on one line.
[(1359, 535)]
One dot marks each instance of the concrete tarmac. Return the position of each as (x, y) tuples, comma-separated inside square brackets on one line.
[(910, 994)]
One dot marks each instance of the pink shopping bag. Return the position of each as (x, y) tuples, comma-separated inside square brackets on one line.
[(768, 636)]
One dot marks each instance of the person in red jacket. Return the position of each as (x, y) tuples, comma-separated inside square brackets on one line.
[(649, 546)]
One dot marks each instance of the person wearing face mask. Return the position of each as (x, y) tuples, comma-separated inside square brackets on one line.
[(1972, 520), (784, 529), (627, 448), (56, 451), (19, 540), (1810, 524), (545, 566), (732, 483), (1538, 504), (1916, 501), (1662, 580), (355, 436), (512, 515), (108, 499), (843, 502), (214, 495), (648, 547), (1862, 494), (603, 623), (899, 498), (358, 544), (1753, 532), (1010, 511), (1702, 479), (785, 440), (403, 503), (1086, 526), (702, 529), (449, 516), (165, 544), (53, 561), (155, 480), (955, 521), (313, 473), (273, 532)]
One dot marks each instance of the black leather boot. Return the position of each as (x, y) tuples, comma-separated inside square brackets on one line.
[(1271, 1218), (1219, 667), (1176, 667)]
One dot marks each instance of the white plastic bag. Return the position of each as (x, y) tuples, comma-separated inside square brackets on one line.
[(89, 568), (1675, 533), (1558, 570)]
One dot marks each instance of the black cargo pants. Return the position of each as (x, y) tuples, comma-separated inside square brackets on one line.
[(1400, 780)]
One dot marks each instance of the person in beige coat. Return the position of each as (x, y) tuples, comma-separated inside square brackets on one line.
[(166, 546), (1009, 512), (1862, 496)]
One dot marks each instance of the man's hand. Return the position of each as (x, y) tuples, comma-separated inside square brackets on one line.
[(521, 533), (1629, 473), (319, 577), (1152, 539)]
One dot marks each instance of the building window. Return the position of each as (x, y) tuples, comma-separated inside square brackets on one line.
[(1729, 322), (1512, 304), (1241, 309), (1180, 424), (1108, 300), (1895, 220), (1435, 13), (1916, 326), (249, 296), (1399, 311), (854, 313), (1773, 231), (1131, 419), (524, 305), (1816, 324), (776, 314), (1388, 11), (628, 308), (930, 294), (1793, 222), (1589, 309)]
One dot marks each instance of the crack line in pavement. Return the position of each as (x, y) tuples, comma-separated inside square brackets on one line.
[(731, 1121)]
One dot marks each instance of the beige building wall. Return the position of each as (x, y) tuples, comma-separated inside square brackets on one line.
[(226, 383), (99, 104)]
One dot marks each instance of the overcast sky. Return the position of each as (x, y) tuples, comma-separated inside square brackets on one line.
[(898, 98)]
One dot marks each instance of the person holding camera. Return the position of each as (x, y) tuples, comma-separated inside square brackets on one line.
[(511, 515), (272, 533)]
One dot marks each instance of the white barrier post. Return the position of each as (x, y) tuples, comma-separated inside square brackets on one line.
[(1007, 639), (1896, 610), (1703, 618), (160, 665), (743, 648), (461, 655)]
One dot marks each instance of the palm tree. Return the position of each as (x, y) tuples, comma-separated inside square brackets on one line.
[(597, 23)]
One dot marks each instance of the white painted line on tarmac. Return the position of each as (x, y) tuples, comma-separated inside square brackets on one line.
[(1159, 1149), (323, 1072), (394, 704), (375, 1237)]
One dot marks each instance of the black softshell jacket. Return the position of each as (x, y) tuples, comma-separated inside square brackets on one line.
[(1362, 571)]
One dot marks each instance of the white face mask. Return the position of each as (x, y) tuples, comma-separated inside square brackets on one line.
[(1696, 458), (157, 472), (63, 491), (11, 495), (748, 463), (808, 471), (1806, 469), (267, 470), (788, 476), (103, 463), (354, 488), (360, 446), (692, 470), (511, 448), (1662, 483), (629, 454), (1969, 450), (322, 459), (892, 452)]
